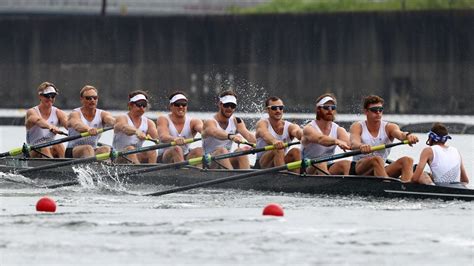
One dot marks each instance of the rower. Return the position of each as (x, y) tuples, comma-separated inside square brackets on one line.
[(133, 128), (43, 120), (375, 131), (178, 126), (276, 131), (322, 135), (222, 130), (445, 161), (87, 118)]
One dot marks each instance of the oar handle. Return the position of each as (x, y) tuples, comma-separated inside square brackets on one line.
[(153, 147), (253, 145), (352, 153), (57, 141)]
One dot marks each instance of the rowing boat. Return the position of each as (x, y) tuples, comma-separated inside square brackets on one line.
[(276, 182)]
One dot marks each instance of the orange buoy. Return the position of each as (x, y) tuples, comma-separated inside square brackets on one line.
[(273, 209), (46, 204)]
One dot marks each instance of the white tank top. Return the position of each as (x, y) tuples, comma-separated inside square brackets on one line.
[(314, 150), (380, 139), (285, 136), (186, 133), (122, 140), (36, 134), (446, 164), (95, 123), (210, 144)]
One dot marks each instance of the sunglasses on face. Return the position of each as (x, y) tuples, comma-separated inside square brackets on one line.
[(328, 107), (376, 109), (230, 105), (276, 107), (141, 104), (49, 95), (90, 98), (180, 104)]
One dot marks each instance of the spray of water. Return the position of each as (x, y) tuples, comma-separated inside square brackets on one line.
[(100, 177)]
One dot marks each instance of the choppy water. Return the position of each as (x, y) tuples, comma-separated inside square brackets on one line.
[(108, 225)]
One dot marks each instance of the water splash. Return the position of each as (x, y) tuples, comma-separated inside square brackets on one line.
[(16, 178), (100, 177)]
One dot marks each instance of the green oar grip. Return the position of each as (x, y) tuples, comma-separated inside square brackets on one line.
[(294, 165), (16, 151), (102, 156), (195, 161), (383, 146)]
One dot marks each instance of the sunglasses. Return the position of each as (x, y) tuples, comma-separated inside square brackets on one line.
[(90, 98), (230, 105), (141, 104), (328, 107), (376, 109), (276, 107), (180, 104), (49, 95)]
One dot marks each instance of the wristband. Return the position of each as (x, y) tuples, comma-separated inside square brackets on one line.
[(228, 136)]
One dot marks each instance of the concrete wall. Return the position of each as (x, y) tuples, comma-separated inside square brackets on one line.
[(420, 62)]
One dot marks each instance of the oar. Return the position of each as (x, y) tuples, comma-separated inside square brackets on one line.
[(190, 162), (103, 156), (28, 148), (288, 166)]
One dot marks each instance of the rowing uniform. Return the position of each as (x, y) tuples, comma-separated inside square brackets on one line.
[(36, 134), (122, 140), (210, 144), (314, 150), (446, 164), (186, 132), (91, 140), (381, 139), (284, 137)]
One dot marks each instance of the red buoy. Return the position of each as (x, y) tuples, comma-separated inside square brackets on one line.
[(273, 209), (46, 204)]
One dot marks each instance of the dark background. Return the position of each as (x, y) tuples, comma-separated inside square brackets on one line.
[(420, 62)]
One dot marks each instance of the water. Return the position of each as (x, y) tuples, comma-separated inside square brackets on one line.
[(108, 225)]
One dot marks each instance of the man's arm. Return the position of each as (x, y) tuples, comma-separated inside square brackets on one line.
[(464, 177), (74, 121), (62, 117), (152, 131), (33, 118), (262, 132), (121, 125), (108, 118), (210, 130), (295, 131), (356, 139), (196, 126), (393, 131), (163, 130), (425, 156), (242, 129)]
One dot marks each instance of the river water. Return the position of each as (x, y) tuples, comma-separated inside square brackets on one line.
[(104, 225)]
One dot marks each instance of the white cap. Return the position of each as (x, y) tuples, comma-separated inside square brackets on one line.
[(325, 100), (137, 98), (178, 97), (228, 99), (49, 89)]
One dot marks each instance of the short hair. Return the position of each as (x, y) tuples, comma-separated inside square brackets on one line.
[(440, 129), (176, 93), (227, 92), (136, 92), (327, 94), (88, 88), (371, 99), (46, 84), (271, 99)]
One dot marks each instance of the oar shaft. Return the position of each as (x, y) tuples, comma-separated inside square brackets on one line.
[(218, 181), (156, 147), (57, 165), (57, 141)]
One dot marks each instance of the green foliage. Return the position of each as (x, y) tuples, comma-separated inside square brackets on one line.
[(315, 6)]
